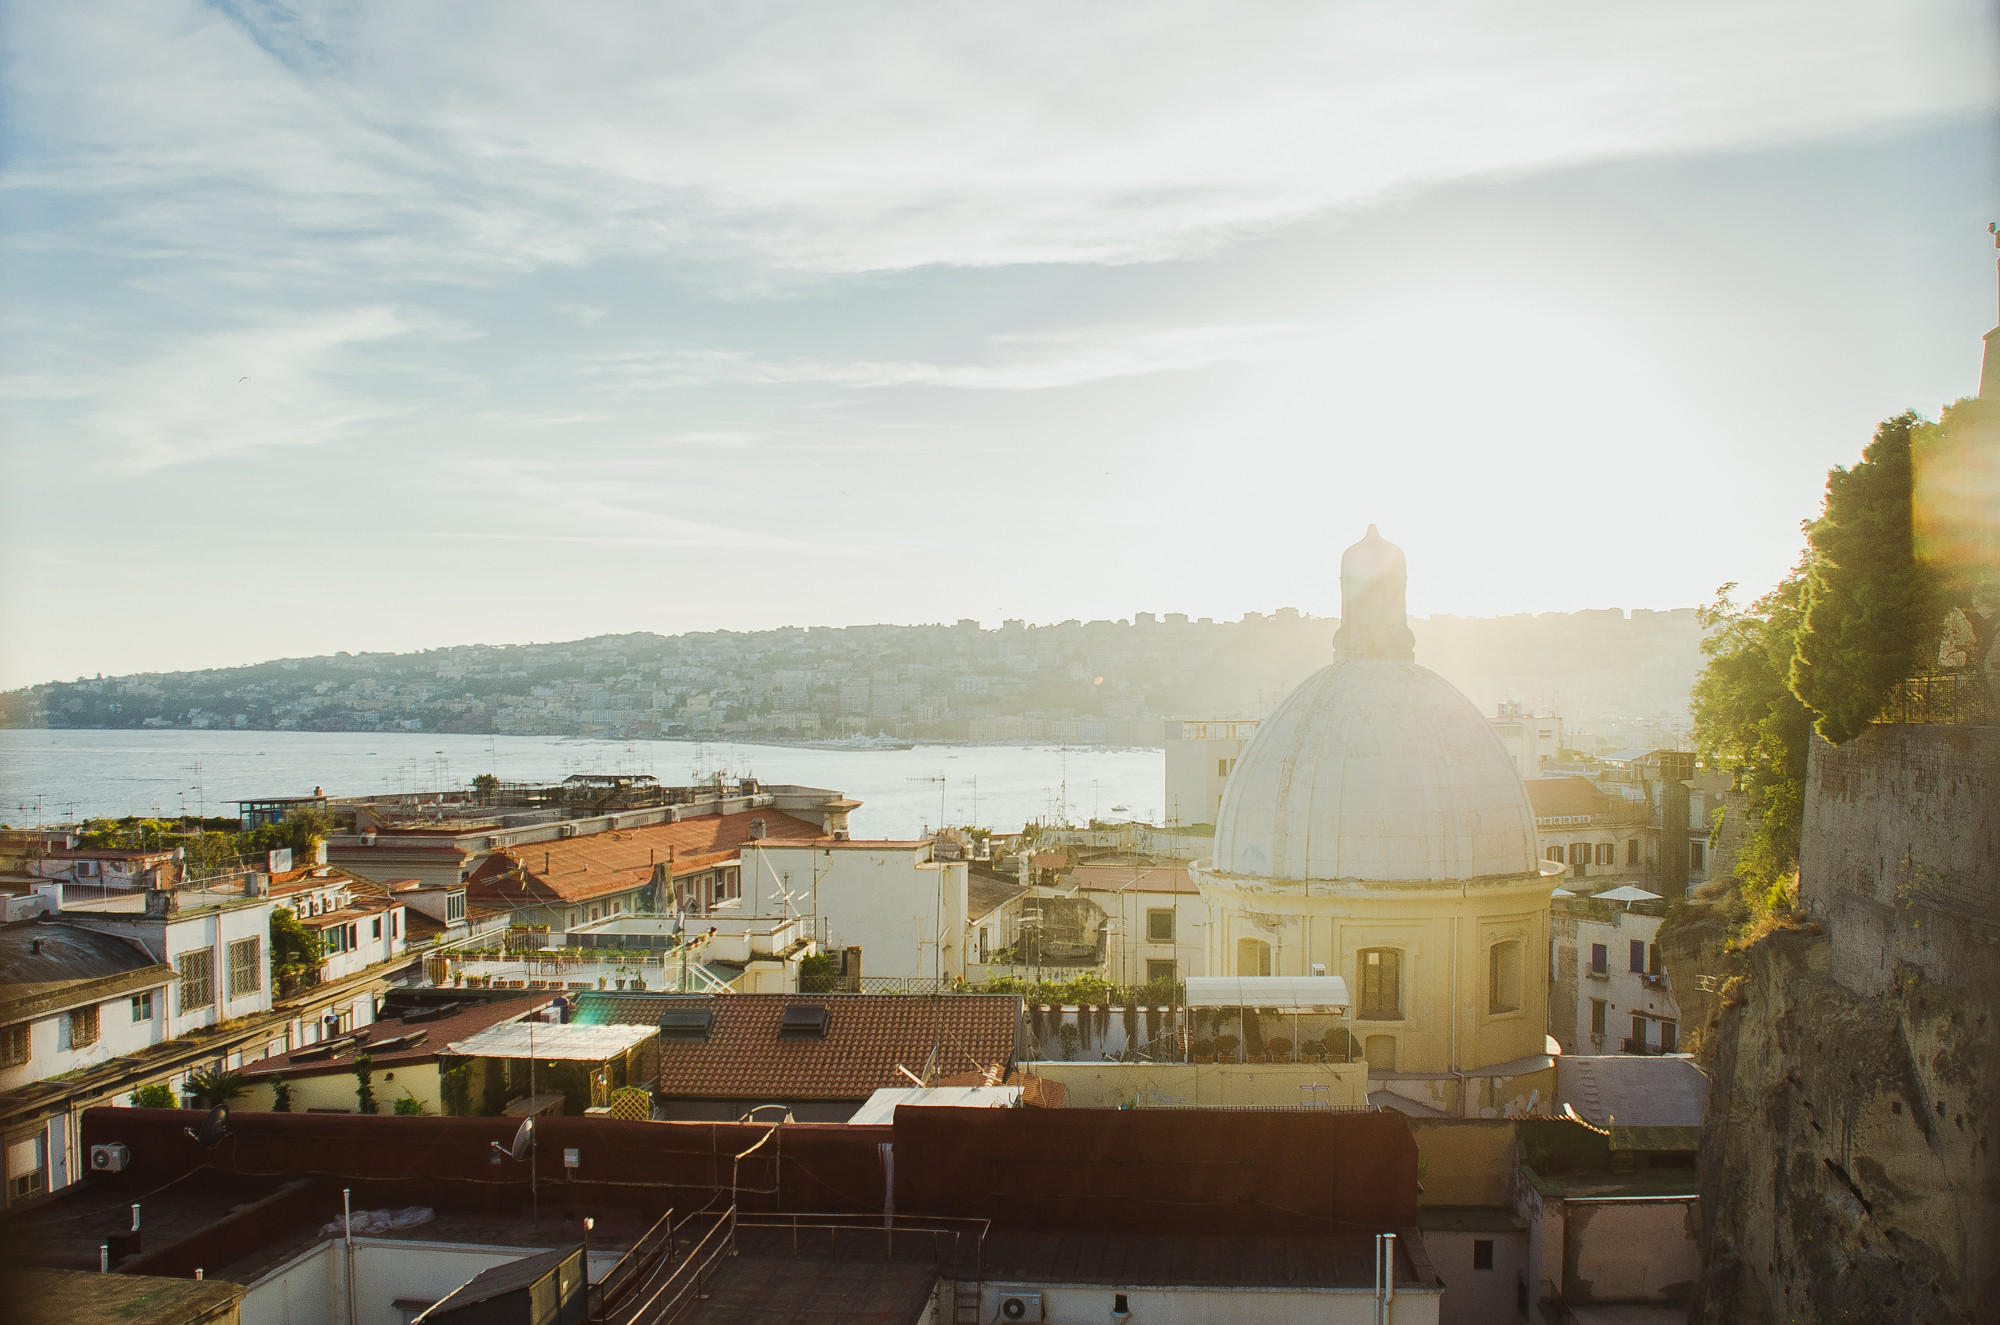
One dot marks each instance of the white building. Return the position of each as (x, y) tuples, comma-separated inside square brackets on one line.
[(1532, 739), (1624, 1002), (1157, 920), (1200, 757), (905, 909)]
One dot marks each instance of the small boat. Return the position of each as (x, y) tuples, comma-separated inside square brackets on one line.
[(1121, 809)]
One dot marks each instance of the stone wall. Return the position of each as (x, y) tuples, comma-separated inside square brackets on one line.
[(1900, 856), (1848, 1170)]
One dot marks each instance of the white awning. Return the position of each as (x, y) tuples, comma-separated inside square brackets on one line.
[(1627, 894), (1266, 991)]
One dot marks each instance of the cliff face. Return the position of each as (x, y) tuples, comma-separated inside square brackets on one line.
[(1848, 1170)]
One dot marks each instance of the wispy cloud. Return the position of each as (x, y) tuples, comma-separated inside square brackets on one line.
[(283, 384), (1016, 362), (833, 138)]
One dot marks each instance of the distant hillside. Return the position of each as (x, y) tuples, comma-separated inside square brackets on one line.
[(1623, 679)]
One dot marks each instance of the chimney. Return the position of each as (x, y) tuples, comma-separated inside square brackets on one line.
[(757, 829), (162, 903), (256, 883)]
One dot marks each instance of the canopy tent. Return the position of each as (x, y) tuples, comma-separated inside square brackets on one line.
[(1627, 893), (1267, 991)]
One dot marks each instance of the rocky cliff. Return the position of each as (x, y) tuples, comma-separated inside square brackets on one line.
[(1848, 1169)]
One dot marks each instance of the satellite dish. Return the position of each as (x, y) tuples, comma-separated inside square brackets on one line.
[(213, 1128), (524, 1139)]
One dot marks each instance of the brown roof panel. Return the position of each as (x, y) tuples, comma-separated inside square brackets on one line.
[(867, 1037), (1566, 797), (574, 869)]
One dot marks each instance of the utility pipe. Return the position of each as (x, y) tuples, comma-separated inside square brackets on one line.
[(347, 1236)]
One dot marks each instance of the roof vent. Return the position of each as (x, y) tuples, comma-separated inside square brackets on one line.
[(803, 1021), (686, 1023), (757, 829)]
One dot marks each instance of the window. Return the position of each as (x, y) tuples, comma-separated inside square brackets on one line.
[(1482, 1253), (1579, 859), (1159, 971), (1669, 1037), (1697, 854), (985, 951), (1600, 957), (1653, 960), (1381, 971), (1605, 852), (1555, 854), (1222, 768), (142, 1006), (454, 906), (1160, 926), (1503, 977), (83, 1027), (27, 1167), (197, 980), (1638, 1031), (395, 924), (1632, 851), (246, 967), (1638, 955), (15, 1042), (1253, 957), (375, 928), (1597, 1016)]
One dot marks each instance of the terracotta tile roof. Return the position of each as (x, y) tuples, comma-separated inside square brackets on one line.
[(867, 1036), (1132, 879), (579, 868), (1566, 797), (470, 1019)]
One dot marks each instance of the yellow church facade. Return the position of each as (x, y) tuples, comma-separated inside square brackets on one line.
[(1376, 829)]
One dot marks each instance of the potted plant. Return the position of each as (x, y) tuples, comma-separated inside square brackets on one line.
[(1204, 1051), (1312, 1051), (1225, 1047), (1281, 1049)]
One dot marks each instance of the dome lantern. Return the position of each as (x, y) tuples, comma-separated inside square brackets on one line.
[(1374, 612)]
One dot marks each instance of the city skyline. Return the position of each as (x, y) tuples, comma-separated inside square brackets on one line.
[(379, 331)]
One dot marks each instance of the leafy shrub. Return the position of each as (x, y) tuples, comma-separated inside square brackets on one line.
[(154, 1095)]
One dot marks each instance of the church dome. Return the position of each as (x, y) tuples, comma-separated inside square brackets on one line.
[(1379, 770), (1375, 768)]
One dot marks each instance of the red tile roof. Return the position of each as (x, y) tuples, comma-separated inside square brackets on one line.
[(575, 869), (867, 1037), (1566, 797)]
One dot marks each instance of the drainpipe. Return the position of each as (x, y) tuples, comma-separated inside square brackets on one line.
[(347, 1236), (1385, 1276), (1454, 1015)]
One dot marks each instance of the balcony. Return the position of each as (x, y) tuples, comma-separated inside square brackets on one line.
[(1632, 1046)]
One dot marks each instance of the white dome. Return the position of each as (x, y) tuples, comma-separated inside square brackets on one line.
[(1375, 769)]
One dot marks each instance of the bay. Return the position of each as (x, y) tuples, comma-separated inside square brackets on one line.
[(51, 776)]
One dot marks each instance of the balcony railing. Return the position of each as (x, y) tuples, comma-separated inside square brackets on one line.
[(1949, 698), (1633, 1046)]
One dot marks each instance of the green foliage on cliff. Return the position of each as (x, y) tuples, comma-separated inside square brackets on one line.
[(1749, 724), (1869, 611)]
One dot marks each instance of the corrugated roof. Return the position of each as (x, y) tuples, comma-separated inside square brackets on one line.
[(1633, 1090), (571, 1043), (470, 1019), (867, 1037), (1566, 797), (1129, 878)]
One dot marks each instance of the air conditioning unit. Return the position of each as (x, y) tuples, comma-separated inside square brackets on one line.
[(568, 830), (111, 1158), (1020, 1305)]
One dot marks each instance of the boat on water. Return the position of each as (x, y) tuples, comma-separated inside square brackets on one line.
[(1121, 809)]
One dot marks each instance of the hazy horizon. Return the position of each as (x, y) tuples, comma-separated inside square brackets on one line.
[(385, 328)]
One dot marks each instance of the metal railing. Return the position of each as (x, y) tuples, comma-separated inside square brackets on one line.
[(685, 1282), (1948, 698)]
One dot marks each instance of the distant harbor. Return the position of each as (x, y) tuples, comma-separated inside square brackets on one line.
[(56, 775)]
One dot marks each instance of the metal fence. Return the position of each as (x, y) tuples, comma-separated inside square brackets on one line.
[(1950, 698)]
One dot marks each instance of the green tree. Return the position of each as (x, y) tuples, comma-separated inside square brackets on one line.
[(409, 1106), (1869, 610), (364, 1082), (1956, 490), (486, 785), (208, 1088), (1749, 724), (294, 948), (153, 1095), (281, 1094)]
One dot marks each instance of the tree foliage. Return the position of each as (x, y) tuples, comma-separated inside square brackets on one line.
[(1749, 724), (1869, 611), (154, 1095), (294, 948), (210, 1088)]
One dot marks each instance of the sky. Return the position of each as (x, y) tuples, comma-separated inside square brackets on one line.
[(354, 327)]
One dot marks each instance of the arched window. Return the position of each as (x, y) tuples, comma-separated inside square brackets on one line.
[(1253, 957), (1503, 976), (1379, 974)]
